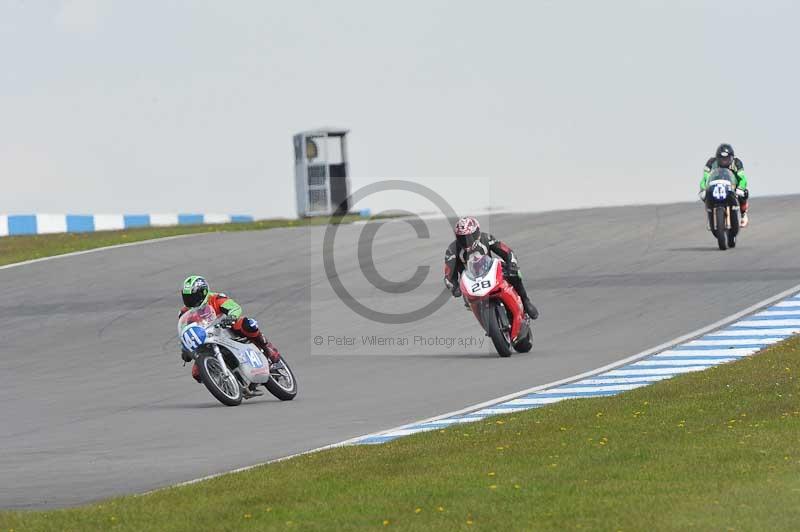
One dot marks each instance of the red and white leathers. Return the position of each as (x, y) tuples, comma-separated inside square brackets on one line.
[(458, 252)]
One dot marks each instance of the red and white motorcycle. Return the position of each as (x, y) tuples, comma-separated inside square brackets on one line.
[(496, 304)]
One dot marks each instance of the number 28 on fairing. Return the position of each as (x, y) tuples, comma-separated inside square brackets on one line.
[(480, 285)]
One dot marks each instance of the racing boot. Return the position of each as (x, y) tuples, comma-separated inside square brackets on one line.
[(530, 309), (267, 347)]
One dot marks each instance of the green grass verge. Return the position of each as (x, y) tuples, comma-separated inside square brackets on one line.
[(717, 450), (27, 247)]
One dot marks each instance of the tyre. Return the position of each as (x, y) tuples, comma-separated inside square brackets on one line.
[(492, 321), (525, 344), (722, 233), (282, 383), (219, 381), (734, 232)]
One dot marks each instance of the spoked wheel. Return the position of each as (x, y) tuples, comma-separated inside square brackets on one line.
[(493, 321), (219, 381), (282, 383)]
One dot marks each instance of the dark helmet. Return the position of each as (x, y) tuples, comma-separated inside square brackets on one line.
[(195, 291), (725, 155), (467, 231)]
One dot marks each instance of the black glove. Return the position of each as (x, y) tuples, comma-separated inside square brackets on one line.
[(454, 288), (511, 270), (226, 321), (186, 355)]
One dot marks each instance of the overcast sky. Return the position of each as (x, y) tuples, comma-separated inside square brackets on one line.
[(165, 106)]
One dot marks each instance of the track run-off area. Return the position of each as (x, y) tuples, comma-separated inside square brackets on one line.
[(96, 402)]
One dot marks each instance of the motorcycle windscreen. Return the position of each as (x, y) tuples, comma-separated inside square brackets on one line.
[(200, 316), (478, 266), (723, 174)]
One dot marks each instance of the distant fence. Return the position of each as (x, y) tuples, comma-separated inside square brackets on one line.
[(37, 224)]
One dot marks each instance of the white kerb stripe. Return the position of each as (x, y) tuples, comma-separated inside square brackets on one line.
[(686, 355), (778, 312), (163, 219), (653, 371), (623, 380), (528, 401), (437, 424), (752, 332), (108, 222), (733, 341), (395, 433), (3, 225), (467, 419), (769, 323), (790, 303), (216, 218), (519, 408), (599, 388), (699, 353), (51, 223), (682, 363)]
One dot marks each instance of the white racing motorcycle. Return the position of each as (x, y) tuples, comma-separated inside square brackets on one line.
[(230, 366)]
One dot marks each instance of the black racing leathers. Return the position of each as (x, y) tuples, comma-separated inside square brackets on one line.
[(455, 259)]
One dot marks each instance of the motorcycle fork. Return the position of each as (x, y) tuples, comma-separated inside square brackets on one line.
[(484, 307), (225, 367), (504, 323)]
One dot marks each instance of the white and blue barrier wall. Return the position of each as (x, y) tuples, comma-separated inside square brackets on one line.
[(37, 224)]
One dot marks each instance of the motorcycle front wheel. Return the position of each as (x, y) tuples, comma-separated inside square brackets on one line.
[(722, 232), (219, 381), (734, 232), (492, 321)]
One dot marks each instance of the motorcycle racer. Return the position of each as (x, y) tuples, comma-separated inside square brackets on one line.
[(725, 158), (195, 294), (469, 238)]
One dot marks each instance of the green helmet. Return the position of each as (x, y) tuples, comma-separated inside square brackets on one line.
[(195, 291)]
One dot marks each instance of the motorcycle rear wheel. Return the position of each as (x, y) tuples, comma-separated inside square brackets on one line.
[(282, 382)]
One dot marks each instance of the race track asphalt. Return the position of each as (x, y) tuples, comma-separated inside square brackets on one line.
[(96, 402)]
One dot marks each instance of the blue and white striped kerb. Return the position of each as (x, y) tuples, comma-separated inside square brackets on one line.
[(37, 224), (739, 339)]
